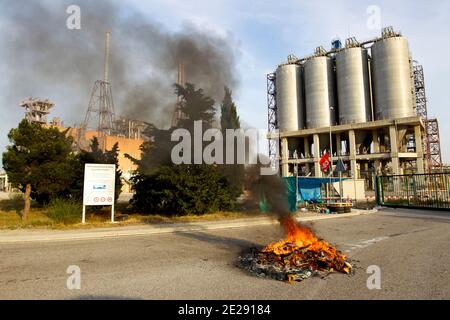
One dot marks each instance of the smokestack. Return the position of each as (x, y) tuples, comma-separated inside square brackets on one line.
[(181, 80), (106, 67), (178, 114)]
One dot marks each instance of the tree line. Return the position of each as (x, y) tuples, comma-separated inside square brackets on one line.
[(165, 188), (41, 163)]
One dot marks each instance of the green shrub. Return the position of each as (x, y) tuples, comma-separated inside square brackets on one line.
[(64, 211), (182, 190)]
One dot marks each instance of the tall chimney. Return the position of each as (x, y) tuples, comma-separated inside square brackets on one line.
[(180, 77), (106, 67), (178, 114), (181, 74)]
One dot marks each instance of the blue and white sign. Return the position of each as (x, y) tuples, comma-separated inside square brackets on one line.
[(99, 186)]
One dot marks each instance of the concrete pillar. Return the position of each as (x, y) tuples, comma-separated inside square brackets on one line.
[(330, 145), (419, 150), (284, 157), (396, 166), (394, 150), (376, 143), (318, 172), (307, 148), (338, 145), (401, 147), (352, 146)]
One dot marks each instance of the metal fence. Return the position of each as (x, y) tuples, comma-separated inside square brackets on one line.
[(431, 191)]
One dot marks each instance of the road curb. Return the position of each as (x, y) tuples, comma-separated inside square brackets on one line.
[(58, 236)]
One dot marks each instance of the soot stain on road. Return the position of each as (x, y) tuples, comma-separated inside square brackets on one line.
[(219, 240)]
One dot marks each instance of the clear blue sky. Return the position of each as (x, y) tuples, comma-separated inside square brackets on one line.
[(265, 32)]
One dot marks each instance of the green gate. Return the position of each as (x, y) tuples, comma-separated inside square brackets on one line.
[(427, 191)]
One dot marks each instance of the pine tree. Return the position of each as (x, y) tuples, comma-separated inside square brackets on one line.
[(38, 162), (156, 151), (195, 105), (229, 118)]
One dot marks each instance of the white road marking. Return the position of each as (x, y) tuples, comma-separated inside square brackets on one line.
[(365, 244)]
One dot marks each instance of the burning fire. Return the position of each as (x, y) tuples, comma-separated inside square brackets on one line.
[(297, 257)]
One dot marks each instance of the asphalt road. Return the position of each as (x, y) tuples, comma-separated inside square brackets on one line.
[(411, 248)]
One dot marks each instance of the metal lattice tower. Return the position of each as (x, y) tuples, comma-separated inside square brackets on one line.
[(419, 85), (274, 142), (434, 144), (422, 109), (431, 141), (36, 110), (101, 104)]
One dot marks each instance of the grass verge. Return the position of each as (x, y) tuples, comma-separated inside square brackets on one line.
[(62, 216)]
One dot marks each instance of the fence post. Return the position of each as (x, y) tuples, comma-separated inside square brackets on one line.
[(407, 189), (378, 190)]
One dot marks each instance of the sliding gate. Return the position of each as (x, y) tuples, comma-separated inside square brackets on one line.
[(428, 191)]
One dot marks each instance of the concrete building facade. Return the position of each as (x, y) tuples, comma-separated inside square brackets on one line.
[(367, 149)]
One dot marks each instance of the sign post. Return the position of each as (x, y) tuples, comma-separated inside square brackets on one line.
[(99, 187), (340, 167)]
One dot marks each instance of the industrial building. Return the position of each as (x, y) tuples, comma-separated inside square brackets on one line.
[(362, 102), (100, 121), (127, 133)]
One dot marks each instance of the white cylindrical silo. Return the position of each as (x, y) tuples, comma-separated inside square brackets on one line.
[(290, 105), (353, 86), (320, 92), (392, 79)]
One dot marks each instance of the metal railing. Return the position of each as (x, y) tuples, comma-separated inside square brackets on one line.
[(428, 191)]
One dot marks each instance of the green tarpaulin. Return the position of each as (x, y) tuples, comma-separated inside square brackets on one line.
[(264, 204), (308, 190)]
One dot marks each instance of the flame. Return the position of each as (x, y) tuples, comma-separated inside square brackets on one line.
[(301, 238)]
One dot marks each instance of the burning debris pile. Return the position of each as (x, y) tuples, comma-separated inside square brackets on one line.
[(298, 257)]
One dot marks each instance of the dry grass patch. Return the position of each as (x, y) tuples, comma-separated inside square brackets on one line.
[(39, 217)]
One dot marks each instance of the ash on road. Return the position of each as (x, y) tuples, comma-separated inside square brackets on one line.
[(411, 248)]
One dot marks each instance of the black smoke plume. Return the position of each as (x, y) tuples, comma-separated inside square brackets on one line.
[(267, 191), (41, 57)]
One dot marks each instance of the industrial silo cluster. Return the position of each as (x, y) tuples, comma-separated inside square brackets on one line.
[(356, 83)]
